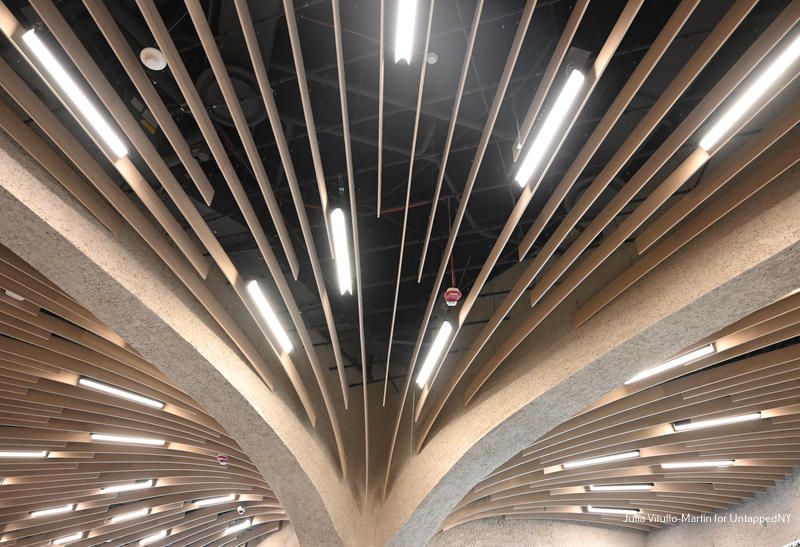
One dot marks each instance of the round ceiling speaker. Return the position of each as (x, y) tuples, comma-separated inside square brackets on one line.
[(153, 59)]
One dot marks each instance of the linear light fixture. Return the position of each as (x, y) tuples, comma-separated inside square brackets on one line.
[(245, 524), (601, 459), (118, 392), (23, 453), (611, 510), (689, 465), (686, 425), (74, 93), (742, 105), (53, 511), (102, 437), (214, 501), (130, 516), (255, 292), (341, 254), (152, 539), (404, 37), (681, 360), (435, 353), (127, 487), (15, 296), (68, 539), (552, 123), (621, 487)]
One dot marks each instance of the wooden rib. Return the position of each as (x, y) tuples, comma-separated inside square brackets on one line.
[(381, 70), (476, 19)]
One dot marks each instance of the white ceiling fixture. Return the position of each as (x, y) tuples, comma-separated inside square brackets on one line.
[(601, 459), (53, 511), (638, 487), (155, 537), (686, 425), (214, 501), (244, 525), (153, 59), (15, 296), (689, 465), (268, 314), (68, 539), (681, 360), (122, 393), (552, 123), (749, 97), (404, 36), (341, 253), (103, 437), (74, 94), (435, 353), (611, 510), (130, 516), (128, 487), (23, 453)]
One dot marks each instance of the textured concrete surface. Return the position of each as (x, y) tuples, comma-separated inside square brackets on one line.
[(536, 533), (285, 537)]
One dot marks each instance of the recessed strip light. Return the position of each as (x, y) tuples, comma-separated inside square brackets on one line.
[(244, 525), (53, 511), (435, 353), (74, 93), (341, 254), (15, 296), (68, 539), (601, 459), (102, 437), (128, 487), (552, 123), (214, 501), (152, 539), (687, 425), (738, 109), (130, 516), (269, 316), (23, 453), (621, 487), (689, 465), (681, 360), (122, 393), (404, 37), (611, 510)]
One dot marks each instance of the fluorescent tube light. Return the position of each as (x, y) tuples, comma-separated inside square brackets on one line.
[(404, 37), (102, 437), (141, 485), (686, 425), (130, 516), (71, 90), (689, 465), (601, 459), (68, 539), (269, 316), (552, 123), (23, 453), (435, 353), (684, 359), (611, 510), (620, 487), (122, 393), (15, 296), (341, 255), (214, 501), (752, 94), (152, 539), (245, 524), (53, 511)]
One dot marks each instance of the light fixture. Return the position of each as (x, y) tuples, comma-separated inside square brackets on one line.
[(214, 501), (684, 359), (404, 37), (68, 539), (752, 94), (435, 353), (127, 487), (552, 123), (153, 59), (53, 511), (152, 539), (341, 255), (15, 296), (245, 524), (686, 425), (102, 437), (689, 465), (621, 487), (601, 459), (71, 90), (23, 453), (130, 516), (269, 315), (611, 510), (122, 393)]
